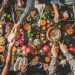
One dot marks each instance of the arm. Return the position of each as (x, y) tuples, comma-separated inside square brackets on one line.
[(53, 63), (16, 65), (55, 8), (71, 61), (53, 66), (69, 57), (29, 6), (8, 60)]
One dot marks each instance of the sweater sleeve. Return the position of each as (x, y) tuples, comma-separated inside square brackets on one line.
[(71, 61), (29, 6), (53, 66), (16, 65), (54, 1)]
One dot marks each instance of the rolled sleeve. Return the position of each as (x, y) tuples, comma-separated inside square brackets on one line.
[(28, 8), (57, 2), (68, 56), (71, 60), (53, 66), (54, 1)]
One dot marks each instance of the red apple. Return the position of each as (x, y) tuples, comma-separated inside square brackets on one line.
[(26, 48), (46, 48), (72, 48)]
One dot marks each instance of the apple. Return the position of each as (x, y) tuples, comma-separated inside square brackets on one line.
[(72, 48), (46, 48), (26, 48)]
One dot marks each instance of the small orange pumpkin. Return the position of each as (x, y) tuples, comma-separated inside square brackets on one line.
[(2, 48), (47, 59), (14, 49), (43, 22), (27, 26)]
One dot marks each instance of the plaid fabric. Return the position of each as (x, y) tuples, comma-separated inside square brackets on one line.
[(68, 2), (62, 2), (23, 60), (66, 69), (20, 61)]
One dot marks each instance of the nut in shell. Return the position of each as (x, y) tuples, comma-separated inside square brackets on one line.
[(37, 42)]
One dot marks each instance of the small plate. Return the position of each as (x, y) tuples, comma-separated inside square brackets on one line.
[(53, 34)]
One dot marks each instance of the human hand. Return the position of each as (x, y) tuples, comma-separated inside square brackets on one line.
[(10, 45), (5, 1), (16, 26), (13, 33), (14, 30), (23, 68), (11, 37), (56, 18), (54, 51), (63, 48), (45, 67)]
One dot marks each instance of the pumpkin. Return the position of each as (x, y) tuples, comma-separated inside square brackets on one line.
[(14, 49), (27, 26), (43, 22), (47, 59), (2, 48), (69, 29)]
